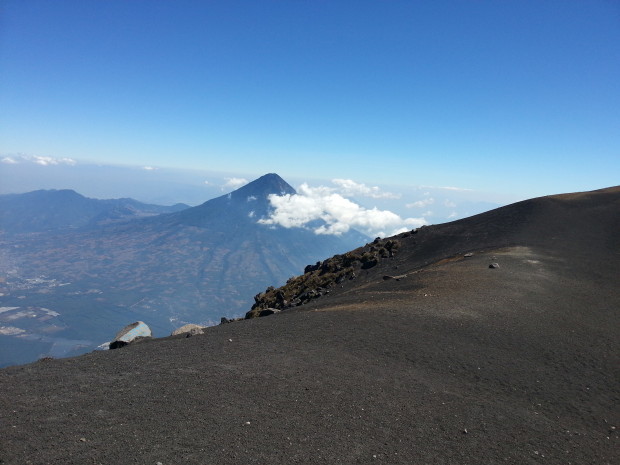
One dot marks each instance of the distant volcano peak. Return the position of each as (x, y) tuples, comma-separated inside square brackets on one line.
[(268, 184), (247, 204)]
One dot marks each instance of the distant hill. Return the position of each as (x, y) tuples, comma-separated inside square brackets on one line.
[(488, 340), (52, 210), (192, 266)]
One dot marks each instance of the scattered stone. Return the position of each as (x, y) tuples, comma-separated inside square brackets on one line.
[(189, 329), (468, 255), (224, 320), (465, 431), (130, 334), (82, 439), (494, 265), (397, 278)]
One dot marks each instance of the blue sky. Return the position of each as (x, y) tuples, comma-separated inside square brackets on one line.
[(519, 98)]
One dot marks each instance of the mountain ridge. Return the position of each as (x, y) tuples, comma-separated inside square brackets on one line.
[(192, 266), (48, 210), (448, 360)]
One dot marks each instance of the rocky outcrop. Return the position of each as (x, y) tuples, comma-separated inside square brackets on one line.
[(320, 277)]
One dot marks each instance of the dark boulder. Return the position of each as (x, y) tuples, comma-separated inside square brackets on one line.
[(311, 268)]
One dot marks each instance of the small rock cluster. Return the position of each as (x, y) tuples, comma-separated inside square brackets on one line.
[(139, 331)]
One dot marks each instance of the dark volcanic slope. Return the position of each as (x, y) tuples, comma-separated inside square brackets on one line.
[(454, 363)]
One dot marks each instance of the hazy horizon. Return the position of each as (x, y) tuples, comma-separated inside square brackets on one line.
[(341, 200), (426, 110)]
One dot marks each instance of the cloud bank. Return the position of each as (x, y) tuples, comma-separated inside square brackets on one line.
[(337, 213)]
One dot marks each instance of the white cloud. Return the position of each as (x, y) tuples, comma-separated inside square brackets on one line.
[(338, 214), (421, 203), (251, 198), (44, 161), (449, 203), (13, 159), (48, 161), (348, 187), (37, 159), (149, 168), (11, 331), (234, 183)]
